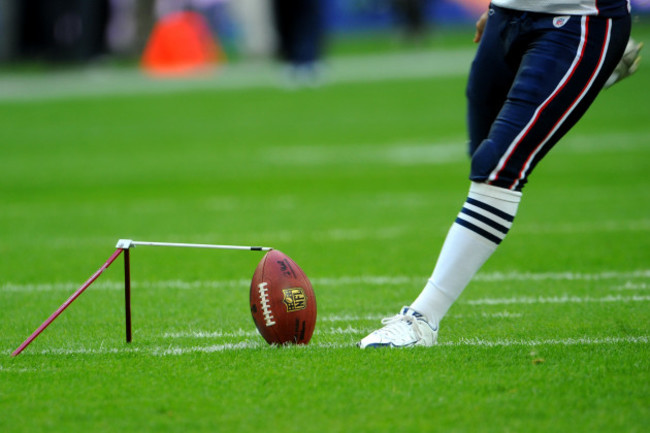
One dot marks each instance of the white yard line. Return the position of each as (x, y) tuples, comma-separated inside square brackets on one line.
[(18, 370), (365, 280), (259, 344), (565, 299), (253, 333), (326, 322), (211, 334), (579, 341)]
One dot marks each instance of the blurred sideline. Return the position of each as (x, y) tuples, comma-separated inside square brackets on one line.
[(107, 81)]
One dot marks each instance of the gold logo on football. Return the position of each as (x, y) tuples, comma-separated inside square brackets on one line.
[(295, 299)]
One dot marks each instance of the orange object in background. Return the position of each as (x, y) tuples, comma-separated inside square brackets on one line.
[(181, 44)]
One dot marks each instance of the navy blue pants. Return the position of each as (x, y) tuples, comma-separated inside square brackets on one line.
[(533, 77)]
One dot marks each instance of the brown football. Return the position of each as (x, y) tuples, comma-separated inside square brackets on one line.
[(282, 300)]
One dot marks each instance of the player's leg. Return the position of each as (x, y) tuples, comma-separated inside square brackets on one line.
[(553, 88), (543, 104), (561, 73), (488, 212), (490, 79), (559, 77)]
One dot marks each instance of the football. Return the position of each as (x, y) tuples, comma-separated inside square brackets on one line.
[(282, 300)]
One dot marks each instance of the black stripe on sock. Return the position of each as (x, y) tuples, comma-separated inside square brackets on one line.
[(491, 209), (487, 235), (486, 220)]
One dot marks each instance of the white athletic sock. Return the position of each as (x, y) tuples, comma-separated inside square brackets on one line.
[(481, 225)]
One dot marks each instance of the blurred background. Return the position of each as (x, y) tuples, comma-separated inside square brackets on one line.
[(79, 31)]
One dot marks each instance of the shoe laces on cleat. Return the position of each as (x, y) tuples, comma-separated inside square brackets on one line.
[(408, 328)]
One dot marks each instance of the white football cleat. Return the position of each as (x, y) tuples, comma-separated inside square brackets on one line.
[(407, 329), (628, 64)]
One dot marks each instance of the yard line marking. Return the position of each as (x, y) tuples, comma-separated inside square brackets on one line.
[(400, 154), (350, 317), (501, 315), (244, 333), (18, 370), (208, 349), (119, 285), (559, 276), (260, 344), (320, 330), (526, 300), (585, 227), (632, 286), (557, 300), (91, 351), (211, 334), (369, 280), (584, 341)]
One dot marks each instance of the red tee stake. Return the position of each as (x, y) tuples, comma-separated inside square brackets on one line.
[(67, 303)]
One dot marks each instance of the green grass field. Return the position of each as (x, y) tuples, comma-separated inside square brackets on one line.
[(358, 181)]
